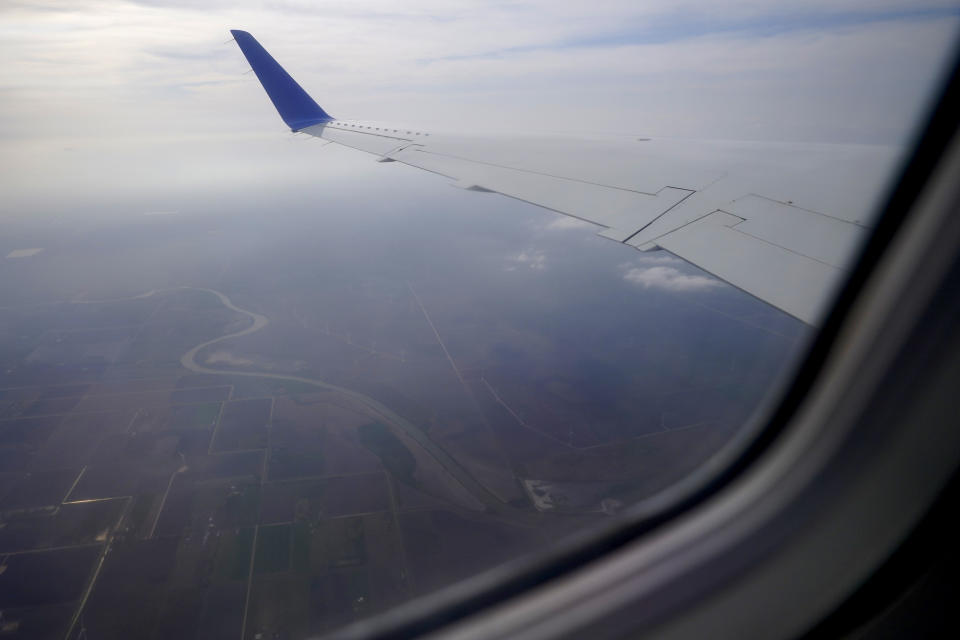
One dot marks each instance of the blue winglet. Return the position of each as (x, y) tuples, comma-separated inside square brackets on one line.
[(296, 108)]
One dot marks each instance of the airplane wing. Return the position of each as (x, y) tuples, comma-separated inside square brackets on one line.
[(779, 221)]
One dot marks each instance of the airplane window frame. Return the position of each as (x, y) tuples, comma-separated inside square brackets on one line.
[(439, 611)]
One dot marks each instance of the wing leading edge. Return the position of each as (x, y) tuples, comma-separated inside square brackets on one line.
[(781, 222)]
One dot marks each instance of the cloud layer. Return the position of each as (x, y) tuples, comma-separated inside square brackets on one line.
[(132, 84), (847, 70)]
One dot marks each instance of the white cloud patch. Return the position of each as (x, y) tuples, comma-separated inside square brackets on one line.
[(531, 258), (668, 279)]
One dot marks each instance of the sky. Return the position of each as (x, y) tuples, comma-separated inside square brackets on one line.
[(107, 103)]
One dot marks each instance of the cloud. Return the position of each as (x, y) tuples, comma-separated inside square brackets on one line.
[(668, 279), (843, 70), (151, 92), (532, 258)]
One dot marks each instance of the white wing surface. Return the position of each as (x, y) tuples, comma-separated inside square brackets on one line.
[(780, 221)]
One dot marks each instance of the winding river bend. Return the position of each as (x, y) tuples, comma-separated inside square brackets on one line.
[(373, 407), (189, 359)]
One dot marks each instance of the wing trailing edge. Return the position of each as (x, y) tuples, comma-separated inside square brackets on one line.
[(779, 221)]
